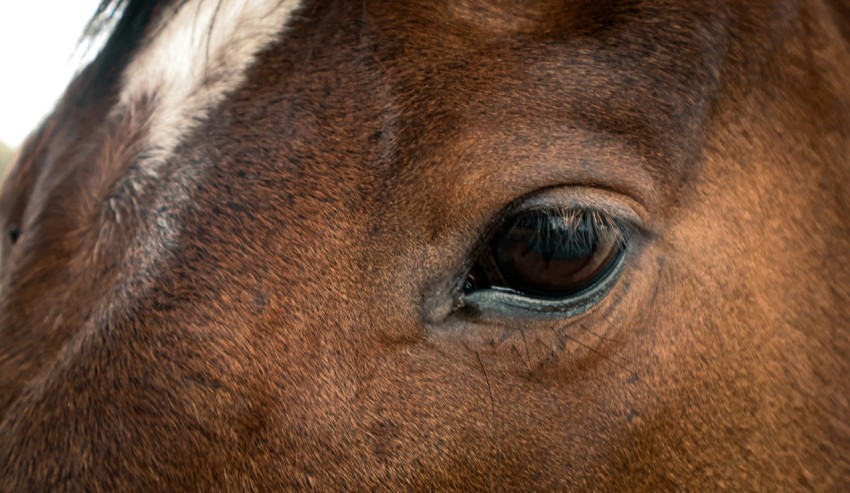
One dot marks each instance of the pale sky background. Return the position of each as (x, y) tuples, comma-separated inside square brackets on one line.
[(37, 41)]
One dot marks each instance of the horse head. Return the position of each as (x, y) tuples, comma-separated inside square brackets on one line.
[(478, 244)]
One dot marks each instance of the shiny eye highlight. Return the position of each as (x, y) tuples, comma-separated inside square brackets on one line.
[(550, 254)]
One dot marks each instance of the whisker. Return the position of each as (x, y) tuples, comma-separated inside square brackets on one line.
[(495, 425), (519, 355)]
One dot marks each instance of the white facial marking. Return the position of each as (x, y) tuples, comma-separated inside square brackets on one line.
[(197, 54), (190, 60)]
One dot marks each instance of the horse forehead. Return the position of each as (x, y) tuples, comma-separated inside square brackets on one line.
[(191, 60), (628, 70), (497, 17), (201, 50), (200, 53), (488, 18)]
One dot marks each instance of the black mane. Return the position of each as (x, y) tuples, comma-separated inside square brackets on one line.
[(125, 22)]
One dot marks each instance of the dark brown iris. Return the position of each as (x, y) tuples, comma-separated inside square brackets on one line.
[(550, 254)]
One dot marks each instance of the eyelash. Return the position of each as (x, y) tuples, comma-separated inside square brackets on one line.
[(603, 225), (602, 222)]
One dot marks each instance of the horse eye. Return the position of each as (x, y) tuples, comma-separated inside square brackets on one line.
[(550, 253)]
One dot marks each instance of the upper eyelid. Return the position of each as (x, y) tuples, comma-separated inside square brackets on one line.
[(623, 229), (615, 205)]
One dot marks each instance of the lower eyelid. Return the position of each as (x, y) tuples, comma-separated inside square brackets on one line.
[(500, 302)]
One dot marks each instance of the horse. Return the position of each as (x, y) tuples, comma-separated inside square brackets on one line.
[(269, 245)]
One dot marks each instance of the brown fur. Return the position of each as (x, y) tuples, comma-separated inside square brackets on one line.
[(300, 332)]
